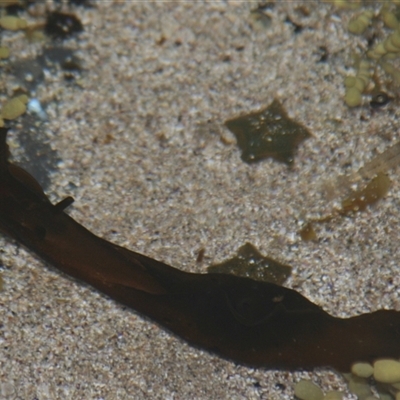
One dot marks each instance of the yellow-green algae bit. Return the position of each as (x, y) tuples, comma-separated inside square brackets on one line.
[(356, 85), (306, 390), (353, 97), (14, 108), (387, 371), (362, 369), (381, 53), (359, 24), (4, 53), (345, 4), (333, 395), (358, 386), (12, 23), (389, 18), (389, 47)]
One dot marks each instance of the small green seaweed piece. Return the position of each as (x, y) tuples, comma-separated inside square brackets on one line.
[(250, 263), (267, 133)]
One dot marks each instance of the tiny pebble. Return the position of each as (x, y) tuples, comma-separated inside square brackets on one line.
[(35, 107), (387, 371), (306, 390)]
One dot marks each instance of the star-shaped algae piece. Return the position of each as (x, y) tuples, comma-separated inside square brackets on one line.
[(250, 263), (268, 133)]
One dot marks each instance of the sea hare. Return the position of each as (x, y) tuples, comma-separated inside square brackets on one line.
[(254, 323)]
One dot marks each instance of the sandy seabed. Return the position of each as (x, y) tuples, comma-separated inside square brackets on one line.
[(144, 152)]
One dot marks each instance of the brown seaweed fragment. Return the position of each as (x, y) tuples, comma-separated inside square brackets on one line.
[(307, 232), (268, 133), (254, 323), (357, 201), (358, 190), (380, 164), (250, 263), (374, 191)]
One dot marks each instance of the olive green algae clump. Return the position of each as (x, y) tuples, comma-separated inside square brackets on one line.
[(268, 133), (387, 371), (250, 263), (380, 58), (307, 390)]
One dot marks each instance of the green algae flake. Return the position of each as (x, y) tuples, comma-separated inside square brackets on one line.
[(267, 133)]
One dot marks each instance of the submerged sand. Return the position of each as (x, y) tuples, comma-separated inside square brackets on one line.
[(139, 139)]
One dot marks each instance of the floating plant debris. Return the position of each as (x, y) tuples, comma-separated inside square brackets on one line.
[(357, 201), (382, 163), (374, 172), (61, 25), (254, 323), (374, 191), (307, 233), (268, 133), (250, 263)]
